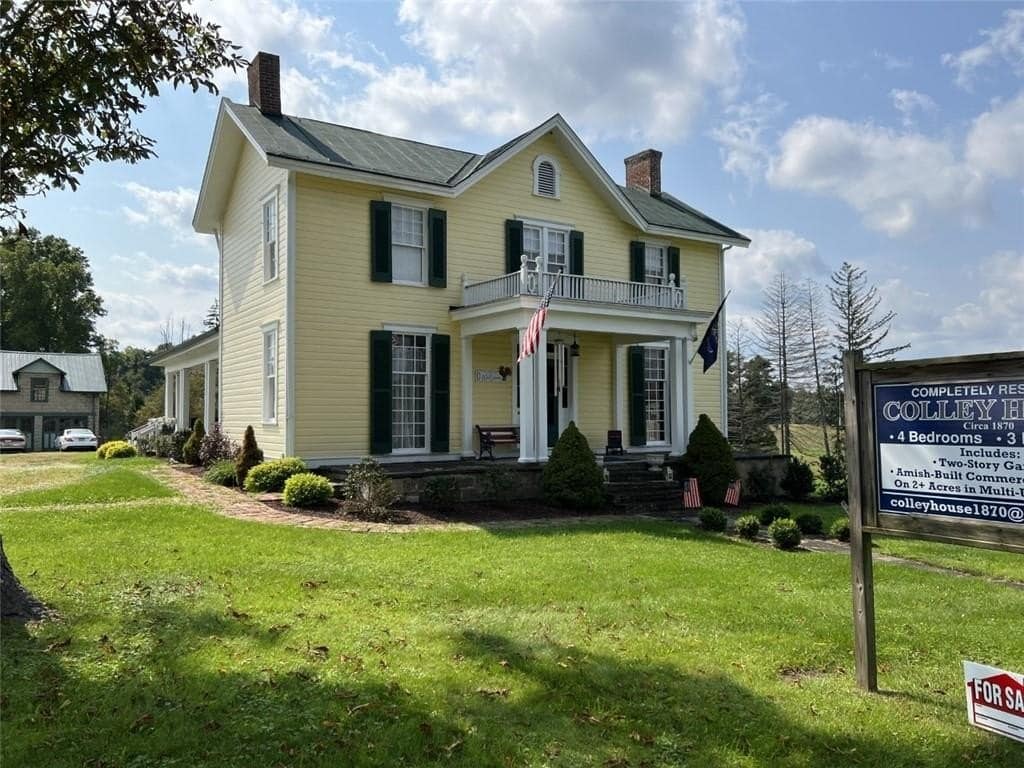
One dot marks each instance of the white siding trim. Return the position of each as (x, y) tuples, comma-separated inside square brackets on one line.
[(289, 332)]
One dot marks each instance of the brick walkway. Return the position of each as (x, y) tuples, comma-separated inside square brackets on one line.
[(230, 503)]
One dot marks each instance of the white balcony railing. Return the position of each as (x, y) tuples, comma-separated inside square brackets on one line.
[(531, 282)]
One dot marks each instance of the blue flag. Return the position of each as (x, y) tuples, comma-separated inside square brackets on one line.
[(708, 349)]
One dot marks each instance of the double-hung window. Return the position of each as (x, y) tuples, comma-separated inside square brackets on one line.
[(656, 394), (269, 236), (409, 367), (40, 390), (547, 249), (655, 265), (408, 244), (270, 374)]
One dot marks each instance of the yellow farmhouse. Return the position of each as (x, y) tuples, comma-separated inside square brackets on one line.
[(375, 290)]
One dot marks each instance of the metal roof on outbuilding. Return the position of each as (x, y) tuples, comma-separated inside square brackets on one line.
[(83, 372)]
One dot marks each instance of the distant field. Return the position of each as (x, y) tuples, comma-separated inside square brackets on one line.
[(808, 442)]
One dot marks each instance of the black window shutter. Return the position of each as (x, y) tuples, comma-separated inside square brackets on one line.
[(575, 252), (438, 256), (380, 241), (673, 262), (513, 246), (636, 261), (380, 391), (440, 391), (637, 398)]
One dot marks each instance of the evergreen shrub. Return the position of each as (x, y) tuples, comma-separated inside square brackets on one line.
[(833, 477), (748, 526), (809, 523), (306, 490), (190, 450), (221, 472), (840, 529), (369, 491), (709, 458), (441, 493), (712, 519), (799, 479), (773, 512), (270, 476), (785, 533), (572, 478), (248, 457)]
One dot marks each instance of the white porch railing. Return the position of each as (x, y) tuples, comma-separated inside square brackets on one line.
[(531, 282), (151, 428)]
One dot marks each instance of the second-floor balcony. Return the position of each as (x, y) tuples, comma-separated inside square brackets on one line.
[(586, 288)]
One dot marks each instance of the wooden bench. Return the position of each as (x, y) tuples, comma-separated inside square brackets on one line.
[(492, 436)]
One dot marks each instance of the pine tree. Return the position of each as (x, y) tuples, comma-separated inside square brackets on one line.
[(857, 324), (709, 458), (212, 319)]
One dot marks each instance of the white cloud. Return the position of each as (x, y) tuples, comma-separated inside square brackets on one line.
[(907, 102), (741, 138), (170, 209), (771, 251), (191, 277), (994, 319), (995, 144), (1003, 45), (892, 179), (891, 62)]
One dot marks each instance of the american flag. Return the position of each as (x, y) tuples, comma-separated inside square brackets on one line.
[(532, 338), (691, 494), (732, 494)]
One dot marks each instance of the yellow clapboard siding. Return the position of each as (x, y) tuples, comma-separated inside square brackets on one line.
[(337, 305), (248, 304)]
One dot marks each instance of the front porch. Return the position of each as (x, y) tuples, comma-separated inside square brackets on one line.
[(199, 355), (616, 357)]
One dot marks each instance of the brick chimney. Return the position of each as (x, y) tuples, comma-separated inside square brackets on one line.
[(643, 171), (265, 83)]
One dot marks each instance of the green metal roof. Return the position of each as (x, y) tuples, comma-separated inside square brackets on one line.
[(315, 141)]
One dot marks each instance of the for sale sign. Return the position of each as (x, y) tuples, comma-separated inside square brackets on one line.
[(995, 699), (951, 449)]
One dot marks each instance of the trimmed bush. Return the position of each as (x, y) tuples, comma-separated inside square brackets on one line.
[(178, 440), (773, 512), (498, 484), (248, 457), (840, 529), (810, 523), (216, 446), (785, 533), (709, 458), (190, 450), (368, 491), (712, 519), (799, 479), (572, 478), (270, 476), (748, 526), (441, 493), (116, 449), (307, 490), (221, 473)]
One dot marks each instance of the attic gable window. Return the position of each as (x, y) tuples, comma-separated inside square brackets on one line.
[(546, 177)]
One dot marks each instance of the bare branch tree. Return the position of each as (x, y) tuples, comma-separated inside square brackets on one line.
[(817, 339)]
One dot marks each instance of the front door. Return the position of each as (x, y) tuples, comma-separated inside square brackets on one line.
[(558, 391)]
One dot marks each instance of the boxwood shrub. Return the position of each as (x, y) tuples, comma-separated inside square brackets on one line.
[(712, 519), (810, 523), (785, 533), (441, 493), (748, 526), (773, 512), (571, 478), (270, 476), (116, 449), (306, 490), (840, 529)]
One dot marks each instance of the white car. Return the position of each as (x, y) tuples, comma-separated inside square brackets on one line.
[(12, 440), (77, 438)]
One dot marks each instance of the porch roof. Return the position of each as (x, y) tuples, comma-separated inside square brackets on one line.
[(191, 352)]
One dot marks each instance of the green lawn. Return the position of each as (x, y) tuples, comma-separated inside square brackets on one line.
[(187, 639)]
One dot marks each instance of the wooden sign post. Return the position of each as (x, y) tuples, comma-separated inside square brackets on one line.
[(934, 450)]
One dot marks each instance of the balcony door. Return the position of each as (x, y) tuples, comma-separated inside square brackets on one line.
[(547, 250)]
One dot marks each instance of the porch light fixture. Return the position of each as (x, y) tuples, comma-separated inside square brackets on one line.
[(574, 348)]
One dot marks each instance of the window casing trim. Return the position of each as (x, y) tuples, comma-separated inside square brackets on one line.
[(268, 405), (272, 200), (427, 333), (423, 210)]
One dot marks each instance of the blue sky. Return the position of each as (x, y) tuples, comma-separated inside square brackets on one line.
[(888, 135)]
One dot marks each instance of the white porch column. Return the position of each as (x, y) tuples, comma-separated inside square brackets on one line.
[(466, 361), (168, 394), (619, 354), (527, 405), (181, 413), (691, 406), (541, 368), (678, 399), (209, 388)]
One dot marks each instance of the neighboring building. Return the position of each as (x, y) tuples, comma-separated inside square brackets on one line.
[(44, 393), (374, 290)]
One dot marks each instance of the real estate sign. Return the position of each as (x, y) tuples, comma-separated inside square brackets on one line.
[(953, 449), (995, 699)]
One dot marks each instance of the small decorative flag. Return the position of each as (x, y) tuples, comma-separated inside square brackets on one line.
[(708, 349), (532, 338), (732, 494), (691, 494)]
